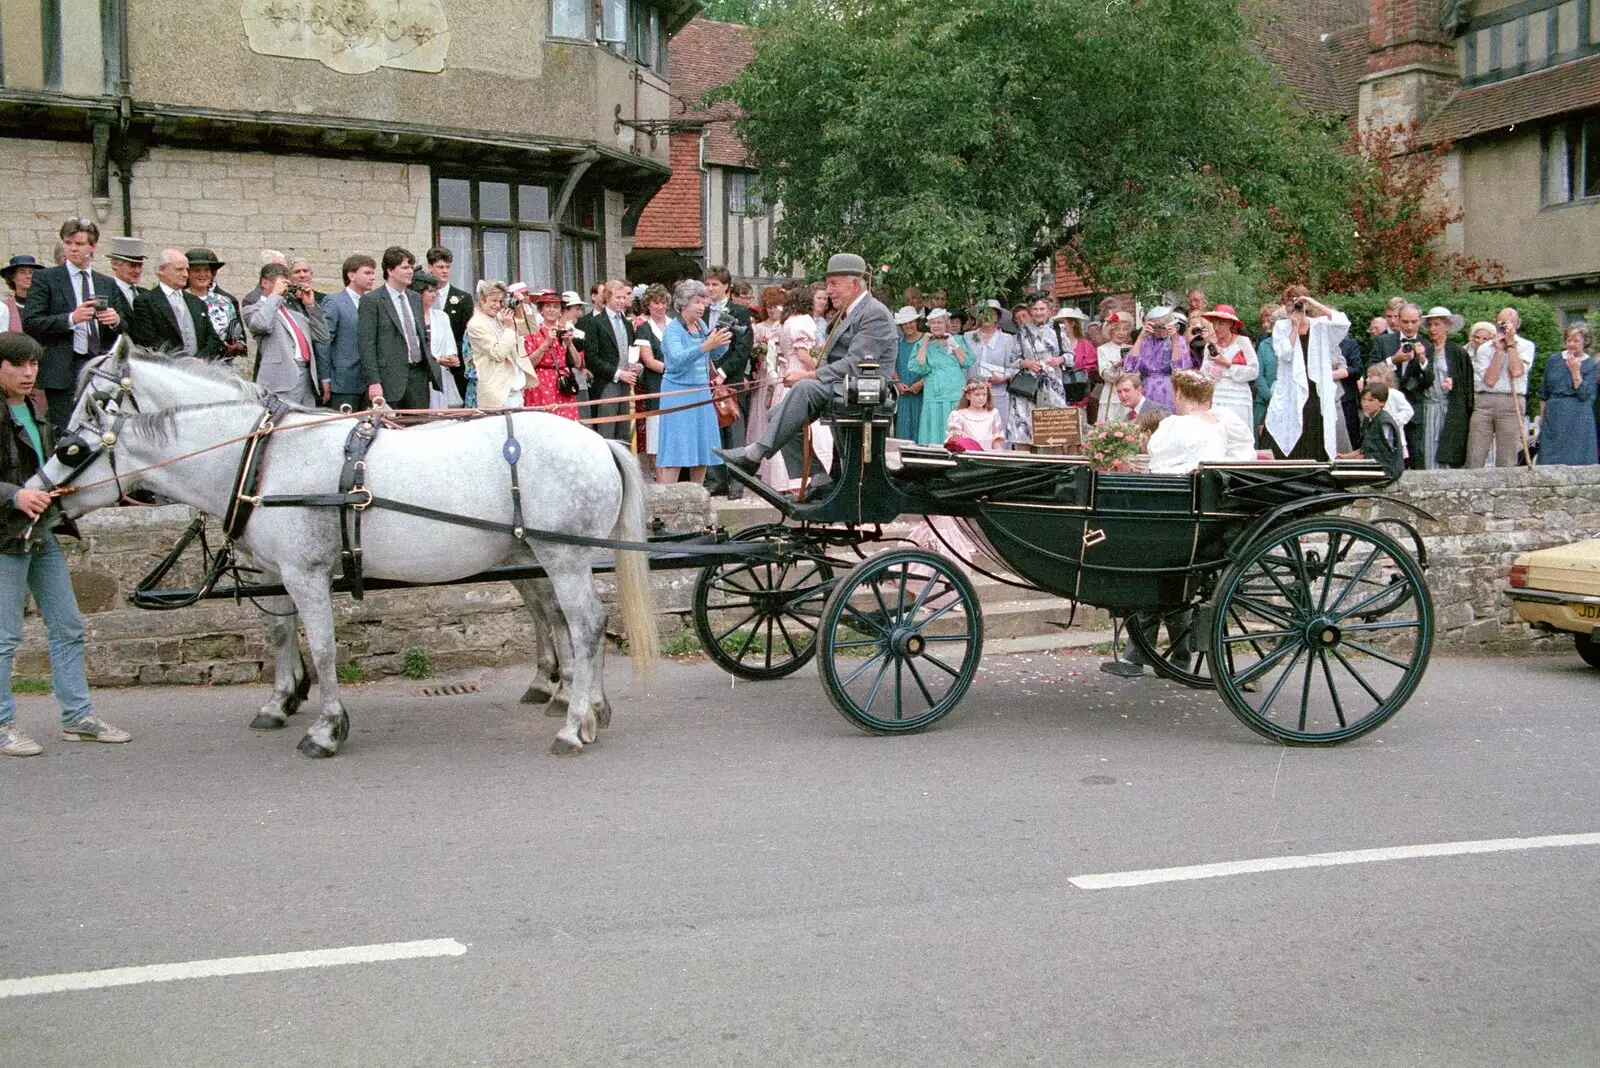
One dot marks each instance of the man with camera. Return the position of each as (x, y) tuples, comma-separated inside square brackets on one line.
[(735, 367), (287, 323), (71, 311), (170, 316), (1501, 368), (1411, 355), (863, 333)]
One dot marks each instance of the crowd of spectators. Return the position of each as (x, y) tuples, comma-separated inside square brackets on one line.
[(644, 364)]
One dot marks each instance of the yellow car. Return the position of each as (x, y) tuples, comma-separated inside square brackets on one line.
[(1559, 589)]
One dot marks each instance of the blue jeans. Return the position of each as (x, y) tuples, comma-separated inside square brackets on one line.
[(46, 575)]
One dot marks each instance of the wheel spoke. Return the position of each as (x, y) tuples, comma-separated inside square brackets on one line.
[(794, 650), (1288, 670), (1357, 676), (863, 617), (941, 665), (861, 644), (1333, 691), (1265, 611), (965, 636), (888, 617), (861, 668), (1360, 574), (917, 675), (1327, 573), (872, 694), (1384, 591), (1266, 663), (749, 640), (899, 687), (768, 651), (957, 603), (1305, 688), (1258, 636), (1377, 654), (724, 635)]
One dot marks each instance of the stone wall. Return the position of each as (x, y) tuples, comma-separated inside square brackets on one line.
[(220, 642), (1485, 518)]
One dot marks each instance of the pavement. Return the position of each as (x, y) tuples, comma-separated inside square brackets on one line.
[(733, 875)]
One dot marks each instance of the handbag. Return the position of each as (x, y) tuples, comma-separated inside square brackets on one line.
[(1025, 384), (726, 402)]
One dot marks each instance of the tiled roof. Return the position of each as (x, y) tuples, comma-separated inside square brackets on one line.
[(703, 56), (1487, 108), (1319, 46), (672, 218)]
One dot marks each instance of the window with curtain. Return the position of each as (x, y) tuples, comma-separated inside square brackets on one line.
[(497, 229), (1572, 161)]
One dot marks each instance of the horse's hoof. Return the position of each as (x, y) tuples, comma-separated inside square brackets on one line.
[(537, 693), (602, 715), (562, 747), (587, 731), (267, 721), (557, 708), (313, 749)]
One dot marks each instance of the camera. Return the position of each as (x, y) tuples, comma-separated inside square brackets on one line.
[(1299, 304), (101, 304), (1500, 328), (512, 300)]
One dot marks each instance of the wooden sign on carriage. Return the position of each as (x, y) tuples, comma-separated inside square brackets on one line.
[(1058, 430)]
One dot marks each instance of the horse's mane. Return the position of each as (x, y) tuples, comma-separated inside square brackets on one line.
[(217, 373)]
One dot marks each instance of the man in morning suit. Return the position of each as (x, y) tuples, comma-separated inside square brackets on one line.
[(338, 359), (171, 317), (392, 337), (735, 367), (1411, 353), (456, 303), (72, 312), (607, 336), (865, 332)]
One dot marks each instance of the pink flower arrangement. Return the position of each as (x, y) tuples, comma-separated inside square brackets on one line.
[(1109, 443)]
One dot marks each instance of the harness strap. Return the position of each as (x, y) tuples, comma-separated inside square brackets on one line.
[(247, 482), (512, 451)]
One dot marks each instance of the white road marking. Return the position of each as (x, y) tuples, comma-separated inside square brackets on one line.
[(1114, 880), (203, 969)]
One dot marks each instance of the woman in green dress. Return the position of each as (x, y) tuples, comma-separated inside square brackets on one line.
[(942, 359)]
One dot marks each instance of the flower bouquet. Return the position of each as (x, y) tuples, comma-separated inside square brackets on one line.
[(1113, 446)]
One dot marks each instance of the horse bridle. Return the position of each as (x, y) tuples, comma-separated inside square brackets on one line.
[(75, 451)]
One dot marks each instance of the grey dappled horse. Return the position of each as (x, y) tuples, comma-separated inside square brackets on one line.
[(573, 482)]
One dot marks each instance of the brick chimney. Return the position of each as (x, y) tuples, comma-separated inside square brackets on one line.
[(1412, 67)]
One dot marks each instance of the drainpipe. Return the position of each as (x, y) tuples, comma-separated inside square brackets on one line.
[(124, 118)]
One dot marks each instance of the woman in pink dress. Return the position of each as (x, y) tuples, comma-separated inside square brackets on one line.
[(765, 334)]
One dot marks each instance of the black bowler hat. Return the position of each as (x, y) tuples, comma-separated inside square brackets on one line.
[(204, 257), (18, 261)]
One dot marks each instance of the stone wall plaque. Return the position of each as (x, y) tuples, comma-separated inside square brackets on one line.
[(351, 36)]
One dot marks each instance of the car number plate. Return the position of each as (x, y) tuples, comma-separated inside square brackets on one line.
[(1587, 611)]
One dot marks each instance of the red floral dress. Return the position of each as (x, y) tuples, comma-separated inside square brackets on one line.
[(546, 392)]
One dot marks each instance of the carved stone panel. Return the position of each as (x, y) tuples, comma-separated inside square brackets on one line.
[(351, 36)]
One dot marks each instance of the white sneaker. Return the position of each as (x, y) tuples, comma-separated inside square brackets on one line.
[(91, 729), (14, 743)]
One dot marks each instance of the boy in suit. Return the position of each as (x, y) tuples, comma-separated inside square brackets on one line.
[(338, 357), (607, 336), (392, 338), (1380, 434), (71, 312)]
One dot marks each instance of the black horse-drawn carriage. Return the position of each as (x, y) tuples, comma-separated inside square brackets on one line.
[(1313, 627)]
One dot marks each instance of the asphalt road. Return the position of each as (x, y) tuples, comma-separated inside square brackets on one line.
[(734, 875)]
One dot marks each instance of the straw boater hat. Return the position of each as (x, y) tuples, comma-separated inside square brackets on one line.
[(1069, 312), (1439, 311), (570, 299), (1224, 311), (905, 315), (846, 263)]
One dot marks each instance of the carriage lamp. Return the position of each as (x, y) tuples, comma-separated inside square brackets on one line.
[(866, 388)]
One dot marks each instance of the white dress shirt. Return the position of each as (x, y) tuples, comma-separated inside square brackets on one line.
[(1485, 355), (82, 282)]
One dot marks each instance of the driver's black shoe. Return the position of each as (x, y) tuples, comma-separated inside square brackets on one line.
[(737, 458)]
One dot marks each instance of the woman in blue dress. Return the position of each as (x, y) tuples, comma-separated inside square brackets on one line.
[(1566, 421), (907, 376), (687, 437)]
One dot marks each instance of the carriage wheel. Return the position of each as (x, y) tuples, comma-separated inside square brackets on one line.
[(901, 638), (1171, 643), (758, 620), (1329, 624)]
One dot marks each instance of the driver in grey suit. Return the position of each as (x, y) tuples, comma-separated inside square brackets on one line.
[(865, 332)]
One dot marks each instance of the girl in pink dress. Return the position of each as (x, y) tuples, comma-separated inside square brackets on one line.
[(974, 426), (798, 338)]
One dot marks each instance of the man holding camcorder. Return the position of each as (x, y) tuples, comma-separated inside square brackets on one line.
[(1411, 354)]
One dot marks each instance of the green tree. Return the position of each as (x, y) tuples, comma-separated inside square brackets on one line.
[(962, 141)]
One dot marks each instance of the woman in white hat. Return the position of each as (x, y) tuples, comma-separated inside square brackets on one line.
[(907, 377), (942, 360), (995, 354), (1081, 360), (1455, 380)]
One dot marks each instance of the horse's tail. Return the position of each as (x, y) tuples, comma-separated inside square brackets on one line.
[(633, 568)]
